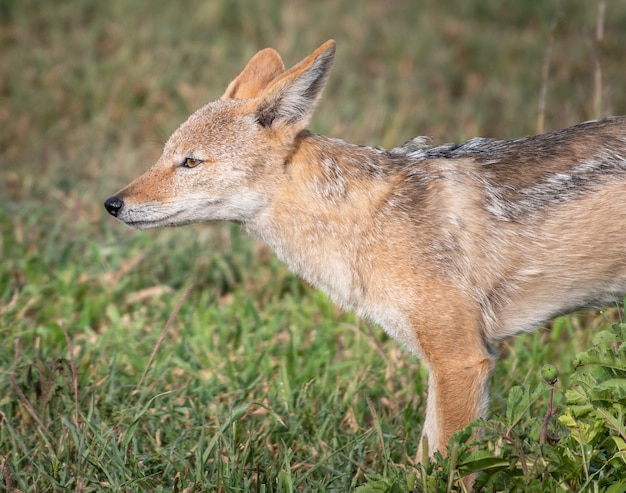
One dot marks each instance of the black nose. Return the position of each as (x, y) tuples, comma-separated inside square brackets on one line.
[(113, 205)]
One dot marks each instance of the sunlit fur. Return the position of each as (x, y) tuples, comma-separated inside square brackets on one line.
[(447, 247)]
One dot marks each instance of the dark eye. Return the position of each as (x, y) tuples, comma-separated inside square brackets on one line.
[(191, 162)]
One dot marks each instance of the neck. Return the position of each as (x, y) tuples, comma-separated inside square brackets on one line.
[(323, 206)]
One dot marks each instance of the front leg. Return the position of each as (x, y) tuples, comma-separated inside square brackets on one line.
[(459, 362), (458, 386)]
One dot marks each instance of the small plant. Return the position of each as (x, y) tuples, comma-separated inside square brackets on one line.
[(595, 450)]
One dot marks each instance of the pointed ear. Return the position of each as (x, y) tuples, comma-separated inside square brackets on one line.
[(262, 68), (290, 99)]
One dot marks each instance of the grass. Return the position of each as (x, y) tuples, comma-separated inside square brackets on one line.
[(259, 383)]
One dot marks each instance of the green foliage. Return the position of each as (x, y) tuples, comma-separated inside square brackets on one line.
[(596, 411)]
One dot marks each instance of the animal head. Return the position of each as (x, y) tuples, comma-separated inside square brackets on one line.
[(223, 162)]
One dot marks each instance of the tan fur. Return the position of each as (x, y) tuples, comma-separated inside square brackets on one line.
[(448, 248), (264, 67)]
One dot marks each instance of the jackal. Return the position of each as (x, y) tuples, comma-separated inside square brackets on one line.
[(448, 248)]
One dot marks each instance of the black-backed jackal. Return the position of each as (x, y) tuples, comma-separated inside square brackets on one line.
[(448, 248)]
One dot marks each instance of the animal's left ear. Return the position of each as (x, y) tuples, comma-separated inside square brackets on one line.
[(290, 99), (262, 68)]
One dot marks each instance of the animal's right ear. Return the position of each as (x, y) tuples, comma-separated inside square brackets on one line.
[(290, 99), (262, 69)]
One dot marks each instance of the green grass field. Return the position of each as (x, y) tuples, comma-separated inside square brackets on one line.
[(191, 360)]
